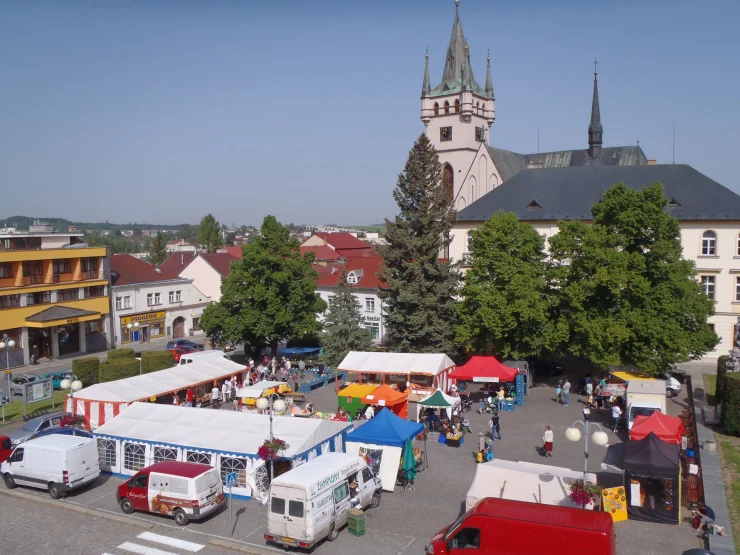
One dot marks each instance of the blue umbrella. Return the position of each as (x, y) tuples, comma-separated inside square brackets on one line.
[(409, 462)]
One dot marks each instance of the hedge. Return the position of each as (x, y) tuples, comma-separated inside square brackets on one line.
[(151, 361), (86, 370), (111, 370), (118, 354), (731, 404), (721, 374)]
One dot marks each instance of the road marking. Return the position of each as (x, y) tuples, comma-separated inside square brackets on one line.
[(142, 549), (172, 542)]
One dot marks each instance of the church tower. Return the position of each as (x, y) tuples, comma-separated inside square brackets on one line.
[(457, 113)]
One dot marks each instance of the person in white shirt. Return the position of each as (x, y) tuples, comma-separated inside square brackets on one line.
[(369, 412), (616, 415), (215, 393), (548, 438)]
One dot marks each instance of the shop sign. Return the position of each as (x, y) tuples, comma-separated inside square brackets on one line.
[(485, 379), (73, 320), (372, 318), (148, 317)]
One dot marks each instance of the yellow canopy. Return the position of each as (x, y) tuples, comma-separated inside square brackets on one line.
[(630, 376), (358, 390)]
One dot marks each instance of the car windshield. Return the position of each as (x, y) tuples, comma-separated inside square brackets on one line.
[(30, 427), (641, 411)]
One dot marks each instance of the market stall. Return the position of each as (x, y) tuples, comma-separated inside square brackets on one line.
[(381, 442), (523, 481), (350, 398), (417, 374), (386, 396), (250, 393), (482, 369), (101, 402), (145, 433), (668, 428), (437, 400), (652, 475)]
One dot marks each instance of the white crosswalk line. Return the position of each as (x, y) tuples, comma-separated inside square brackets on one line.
[(172, 542), (142, 549)]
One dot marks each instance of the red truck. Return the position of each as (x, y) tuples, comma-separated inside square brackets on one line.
[(6, 448), (508, 527)]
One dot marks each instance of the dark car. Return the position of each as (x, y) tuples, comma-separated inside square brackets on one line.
[(62, 430), (198, 347), (175, 343)]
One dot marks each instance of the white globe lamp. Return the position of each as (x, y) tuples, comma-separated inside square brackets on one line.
[(2, 345), (262, 403), (65, 383), (11, 344), (573, 434), (279, 405), (600, 438), (76, 385)]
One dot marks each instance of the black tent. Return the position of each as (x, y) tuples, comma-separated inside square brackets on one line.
[(652, 472)]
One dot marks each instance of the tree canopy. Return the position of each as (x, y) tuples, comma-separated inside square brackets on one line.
[(208, 233), (343, 325), (158, 251)]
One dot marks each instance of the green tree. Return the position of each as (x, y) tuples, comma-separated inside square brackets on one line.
[(158, 252), (505, 290), (209, 233), (187, 232), (270, 294), (343, 326), (419, 300), (622, 288)]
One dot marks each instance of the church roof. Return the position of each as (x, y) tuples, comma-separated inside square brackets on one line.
[(510, 163), (568, 193)]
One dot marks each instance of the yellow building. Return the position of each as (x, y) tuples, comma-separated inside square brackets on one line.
[(53, 295)]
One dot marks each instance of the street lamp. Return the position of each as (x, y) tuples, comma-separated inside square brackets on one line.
[(6, 344), (573, 434), (130, 326), (273, 404), (73, 384)]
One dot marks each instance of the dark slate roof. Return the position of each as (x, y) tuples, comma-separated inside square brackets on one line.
[(569, 193), (510, 163), (59, 313)]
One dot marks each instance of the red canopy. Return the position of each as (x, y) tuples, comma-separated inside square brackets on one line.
[(484, 369), (668, 428)]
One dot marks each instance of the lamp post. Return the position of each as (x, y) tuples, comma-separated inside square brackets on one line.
[(273, 404), (6, 344), (130, 327), (73, 384), (573, 434)]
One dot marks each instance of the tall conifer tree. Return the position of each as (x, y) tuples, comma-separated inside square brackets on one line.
[(343, 327)]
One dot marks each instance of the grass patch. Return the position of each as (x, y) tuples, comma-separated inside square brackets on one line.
[(729, 457), (710, 388), (14, 410)]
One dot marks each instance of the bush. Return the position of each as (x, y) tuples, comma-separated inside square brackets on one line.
[(721, 374), (118, 354), (151, 361), (86, 370), (731, 404), (111, 370)]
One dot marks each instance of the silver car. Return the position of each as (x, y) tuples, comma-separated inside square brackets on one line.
[(17, 382), (35, 425)]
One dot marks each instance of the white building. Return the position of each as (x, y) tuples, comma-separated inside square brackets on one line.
[(162, 303), (180, 245), (207, 270)]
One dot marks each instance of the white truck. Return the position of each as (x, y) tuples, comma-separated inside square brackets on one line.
[(644, 397)]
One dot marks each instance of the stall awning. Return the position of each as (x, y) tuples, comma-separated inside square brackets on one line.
[(384, 396), (668, 428), (296, 351), (439, 400), (649, 456), (484, 369), (255, 391), (429, 364), (386, 429)]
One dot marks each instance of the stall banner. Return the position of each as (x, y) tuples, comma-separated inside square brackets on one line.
[(614, 502), (485, 379), (373, 458), (615, 390)]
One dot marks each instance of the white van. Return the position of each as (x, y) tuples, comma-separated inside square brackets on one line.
[(201, 355), (187, 491), (59, 463), (312, 501)]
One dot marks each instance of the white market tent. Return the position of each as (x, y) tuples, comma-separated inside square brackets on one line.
[(145, 433), (430, 367), (523, 481), (101, 402)]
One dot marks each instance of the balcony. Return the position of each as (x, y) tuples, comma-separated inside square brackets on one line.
[(33, 280)]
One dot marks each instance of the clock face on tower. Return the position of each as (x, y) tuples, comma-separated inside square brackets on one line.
[(445, 133), (480, 136)]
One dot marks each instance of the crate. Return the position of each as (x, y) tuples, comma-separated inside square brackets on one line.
[(442, 438), (508, 406), (356, 524)]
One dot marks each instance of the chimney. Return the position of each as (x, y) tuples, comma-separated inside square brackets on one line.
[(182, 259), (651, 161)]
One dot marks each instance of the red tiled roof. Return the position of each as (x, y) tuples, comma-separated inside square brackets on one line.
[(130, 270), (329, 274), (322, 252), (221, 262), (366, 252), (236, 252), (343, 241), (176, 262)]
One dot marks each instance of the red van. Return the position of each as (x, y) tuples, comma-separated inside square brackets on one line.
[(508, 527)]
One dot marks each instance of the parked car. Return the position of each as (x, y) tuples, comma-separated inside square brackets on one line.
[(175, 343), (61, 430), (179, 351), (198, 346), (679, 373), (36, 425), (17, 382), (56, 378), (672, 385)]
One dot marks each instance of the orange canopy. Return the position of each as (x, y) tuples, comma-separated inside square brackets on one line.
[(386, 396), (668, 428)]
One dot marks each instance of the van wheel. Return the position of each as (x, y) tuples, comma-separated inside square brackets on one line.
[(126, 506), (333, 533), (10, 482), (55, 491), (375, 501), (669, 393), (180, 517)]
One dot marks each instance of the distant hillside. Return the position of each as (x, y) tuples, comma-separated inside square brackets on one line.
[(61, 224)]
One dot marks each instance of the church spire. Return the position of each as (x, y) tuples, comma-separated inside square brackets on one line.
[(425, 86), (489, 81), (595, 130), (456, 59)]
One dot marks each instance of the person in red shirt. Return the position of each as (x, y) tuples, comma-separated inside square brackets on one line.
[(189, 395)]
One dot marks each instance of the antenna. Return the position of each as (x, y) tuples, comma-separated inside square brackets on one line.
[(538, 144), (674, 143)]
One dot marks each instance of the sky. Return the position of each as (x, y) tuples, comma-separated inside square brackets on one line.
[(156, 111)]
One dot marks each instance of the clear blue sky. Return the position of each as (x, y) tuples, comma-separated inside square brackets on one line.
[(162, 111)]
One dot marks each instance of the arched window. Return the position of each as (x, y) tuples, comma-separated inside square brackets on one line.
[(162, 454), (738, 246), (709, 243), (447, 107), (447, 181), (436, 108), (457, 105), (469, 241), (477, 108)]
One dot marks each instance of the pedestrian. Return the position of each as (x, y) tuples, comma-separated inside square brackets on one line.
[(566, 392), (589, 393), (225, 391), (481, 406), (495, 426), (369, 412), (616, 415), (559, 392), (597, 396), (301, 367), (500, 398), (482, 447), (284, 374), (189, 396), (288, 365), (214, 394), (548, 438)]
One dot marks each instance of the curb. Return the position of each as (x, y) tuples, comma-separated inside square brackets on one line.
[(237, 546), (76, 508)]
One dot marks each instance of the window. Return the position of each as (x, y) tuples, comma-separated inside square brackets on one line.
[(33, 269), (119, 303), (140, 481), (374, 329), (737, 248), (295, 508), (6, 269), (134, 456), (709, 243), (737, 288), (175, 296), (277, 506), (369, 304), (466, 538), (457, 105), (367, 475), (153, 298), (62, 267), (234, 465), (436, 109), (164, 454), (10, 301), (196, 324), (469, 241), (17, 455), (89, 264), (477, 107), (447, 180), (341, 492), (107, 452), (447, 107), (201, 458), (97, 291), (127, 302), (707, 284), (68, 295)]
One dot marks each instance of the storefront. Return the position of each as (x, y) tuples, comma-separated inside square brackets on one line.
[(151, 325), (372, 324)]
